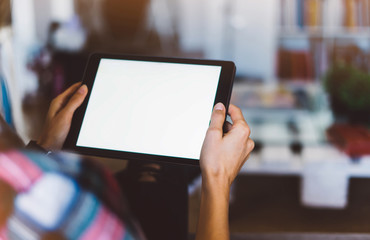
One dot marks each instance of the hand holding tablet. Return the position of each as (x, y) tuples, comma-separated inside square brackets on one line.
[(59, 117), (148, 108)]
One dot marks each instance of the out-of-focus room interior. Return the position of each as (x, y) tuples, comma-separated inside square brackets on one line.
[(302, 81)]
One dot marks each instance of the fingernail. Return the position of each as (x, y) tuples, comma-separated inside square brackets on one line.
[(82, 89), (219, 107)]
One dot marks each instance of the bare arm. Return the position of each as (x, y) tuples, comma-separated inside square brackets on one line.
[(222, 157)]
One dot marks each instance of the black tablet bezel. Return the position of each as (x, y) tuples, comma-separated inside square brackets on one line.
[(223, 95)]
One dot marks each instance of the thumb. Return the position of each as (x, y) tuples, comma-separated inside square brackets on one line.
[(217, 118), (76, 100)]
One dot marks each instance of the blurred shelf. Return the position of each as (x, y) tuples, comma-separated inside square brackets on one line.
[(280, 161), (279, 96), (325, 33)]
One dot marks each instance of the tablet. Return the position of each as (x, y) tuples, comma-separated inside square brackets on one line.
[(148, 108)]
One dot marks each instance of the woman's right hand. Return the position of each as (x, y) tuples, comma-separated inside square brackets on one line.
[(223, 154)]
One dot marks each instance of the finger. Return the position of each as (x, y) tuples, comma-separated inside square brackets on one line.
[(61, 99), (242, 163), (75, 101), (67, 93), (250, 145), (217, 119), (249, 149), (236, 115)]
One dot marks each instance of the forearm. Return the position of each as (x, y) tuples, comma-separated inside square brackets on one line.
[(214, 209)]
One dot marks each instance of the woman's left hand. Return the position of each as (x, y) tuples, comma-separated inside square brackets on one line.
[(59, 117)]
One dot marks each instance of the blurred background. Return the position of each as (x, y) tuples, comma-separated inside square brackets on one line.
[(303, 83)]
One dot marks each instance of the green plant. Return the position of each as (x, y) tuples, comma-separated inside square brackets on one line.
[(349, 88)]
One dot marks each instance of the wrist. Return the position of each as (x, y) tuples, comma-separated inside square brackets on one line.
[(216, 177), (33, 145), (43, 145), (215, 184)]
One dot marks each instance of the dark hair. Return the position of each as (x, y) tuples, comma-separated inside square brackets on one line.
[(5, 13)]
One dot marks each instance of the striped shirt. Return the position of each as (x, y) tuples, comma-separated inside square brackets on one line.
[(60, 196)]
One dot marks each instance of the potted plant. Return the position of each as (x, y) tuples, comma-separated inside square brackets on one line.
[(349, 91)]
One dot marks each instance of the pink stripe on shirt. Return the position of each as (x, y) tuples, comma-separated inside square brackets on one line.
[(105, 225), (18, 171), (3, 233)]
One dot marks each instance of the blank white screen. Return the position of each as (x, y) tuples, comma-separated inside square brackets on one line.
[(150, 107)]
